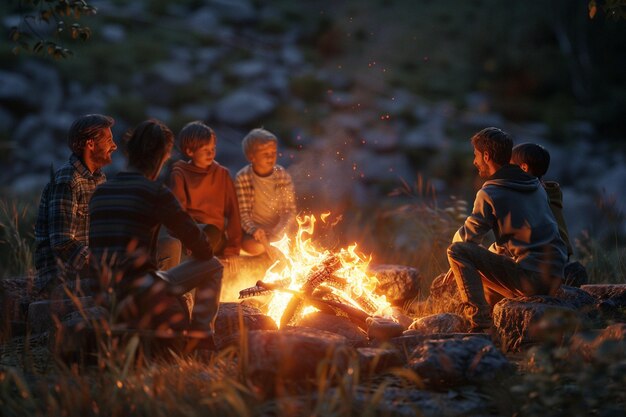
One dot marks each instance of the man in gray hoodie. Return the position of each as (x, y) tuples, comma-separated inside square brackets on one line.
[(528, 255)]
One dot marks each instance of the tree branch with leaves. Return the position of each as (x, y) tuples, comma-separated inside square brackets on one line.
[(59, 17)]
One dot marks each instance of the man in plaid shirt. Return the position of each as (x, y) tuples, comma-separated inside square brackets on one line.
[(265, 193), (62, 229)]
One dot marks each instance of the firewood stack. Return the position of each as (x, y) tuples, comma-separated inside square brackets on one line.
[(321, 289)]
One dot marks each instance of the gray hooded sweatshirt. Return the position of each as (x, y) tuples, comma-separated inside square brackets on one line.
[(515, 206)]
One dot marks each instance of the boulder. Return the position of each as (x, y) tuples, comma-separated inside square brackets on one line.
[(234, 11), (457, 361), (519, 321), (411, 339), (244, 107), (610, 301), (398, 283), (440, 323), (291, 355), (616, 293), (576, 298), (383, 329), (14, 87), (42, 315), (335, 324), (375, 360), (202, 21), (227, 322)]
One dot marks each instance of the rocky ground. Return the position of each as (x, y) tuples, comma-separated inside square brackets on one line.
[(450, 368)]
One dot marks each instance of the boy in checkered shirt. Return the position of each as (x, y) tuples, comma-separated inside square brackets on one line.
[(265, 193)]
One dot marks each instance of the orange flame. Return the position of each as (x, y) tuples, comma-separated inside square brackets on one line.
[(302, 257)]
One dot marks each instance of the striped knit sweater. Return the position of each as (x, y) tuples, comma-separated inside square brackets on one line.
[(126, 213)]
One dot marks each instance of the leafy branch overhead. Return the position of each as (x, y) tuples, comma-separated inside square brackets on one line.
[(45, 23), (613, 9)]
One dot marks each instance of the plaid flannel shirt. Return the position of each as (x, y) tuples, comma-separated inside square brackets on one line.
[(62, 229), (245, 196)]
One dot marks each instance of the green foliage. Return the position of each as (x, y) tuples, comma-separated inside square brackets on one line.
[(613, 9), (53, 14), (558, 382), (418, 229), (16, 238)]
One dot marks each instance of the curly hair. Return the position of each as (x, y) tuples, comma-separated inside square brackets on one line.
[(147, 144), (89, 126), (496, 142)]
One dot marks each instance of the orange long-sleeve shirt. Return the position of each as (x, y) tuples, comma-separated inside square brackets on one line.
[(208, 195)]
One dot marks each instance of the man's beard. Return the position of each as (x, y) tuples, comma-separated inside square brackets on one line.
[(102, 158), (483, 171)]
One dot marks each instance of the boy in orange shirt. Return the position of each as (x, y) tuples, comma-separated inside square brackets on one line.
[(205, 189)]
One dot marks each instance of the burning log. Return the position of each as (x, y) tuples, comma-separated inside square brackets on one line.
[(263, 288), (336, 282), (329, 265), (366, 304)]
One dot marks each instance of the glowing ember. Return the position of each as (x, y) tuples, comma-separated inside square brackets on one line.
[(342, 275)]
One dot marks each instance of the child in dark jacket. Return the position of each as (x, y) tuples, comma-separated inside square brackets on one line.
[(535, 160)]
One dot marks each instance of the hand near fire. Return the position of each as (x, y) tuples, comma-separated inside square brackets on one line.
[(260, 236)]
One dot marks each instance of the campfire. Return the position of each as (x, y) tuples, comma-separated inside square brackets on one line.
[(305, 278)]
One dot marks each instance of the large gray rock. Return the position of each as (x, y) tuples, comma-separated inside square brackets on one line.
[(244, 107), (42, 315), (616, 293), (203, 21), (524, 321), (576, 297), (14, 86), (374, 360), (227, 322), (113, 33), (173, 72), (235, 11), (398, 283), (335, 324), (292, 354), (250, 69), (16, 293), (440, 323), (451, 362), (383, 329)]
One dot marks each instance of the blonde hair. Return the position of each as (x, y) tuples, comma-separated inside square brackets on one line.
[(255, 138)]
